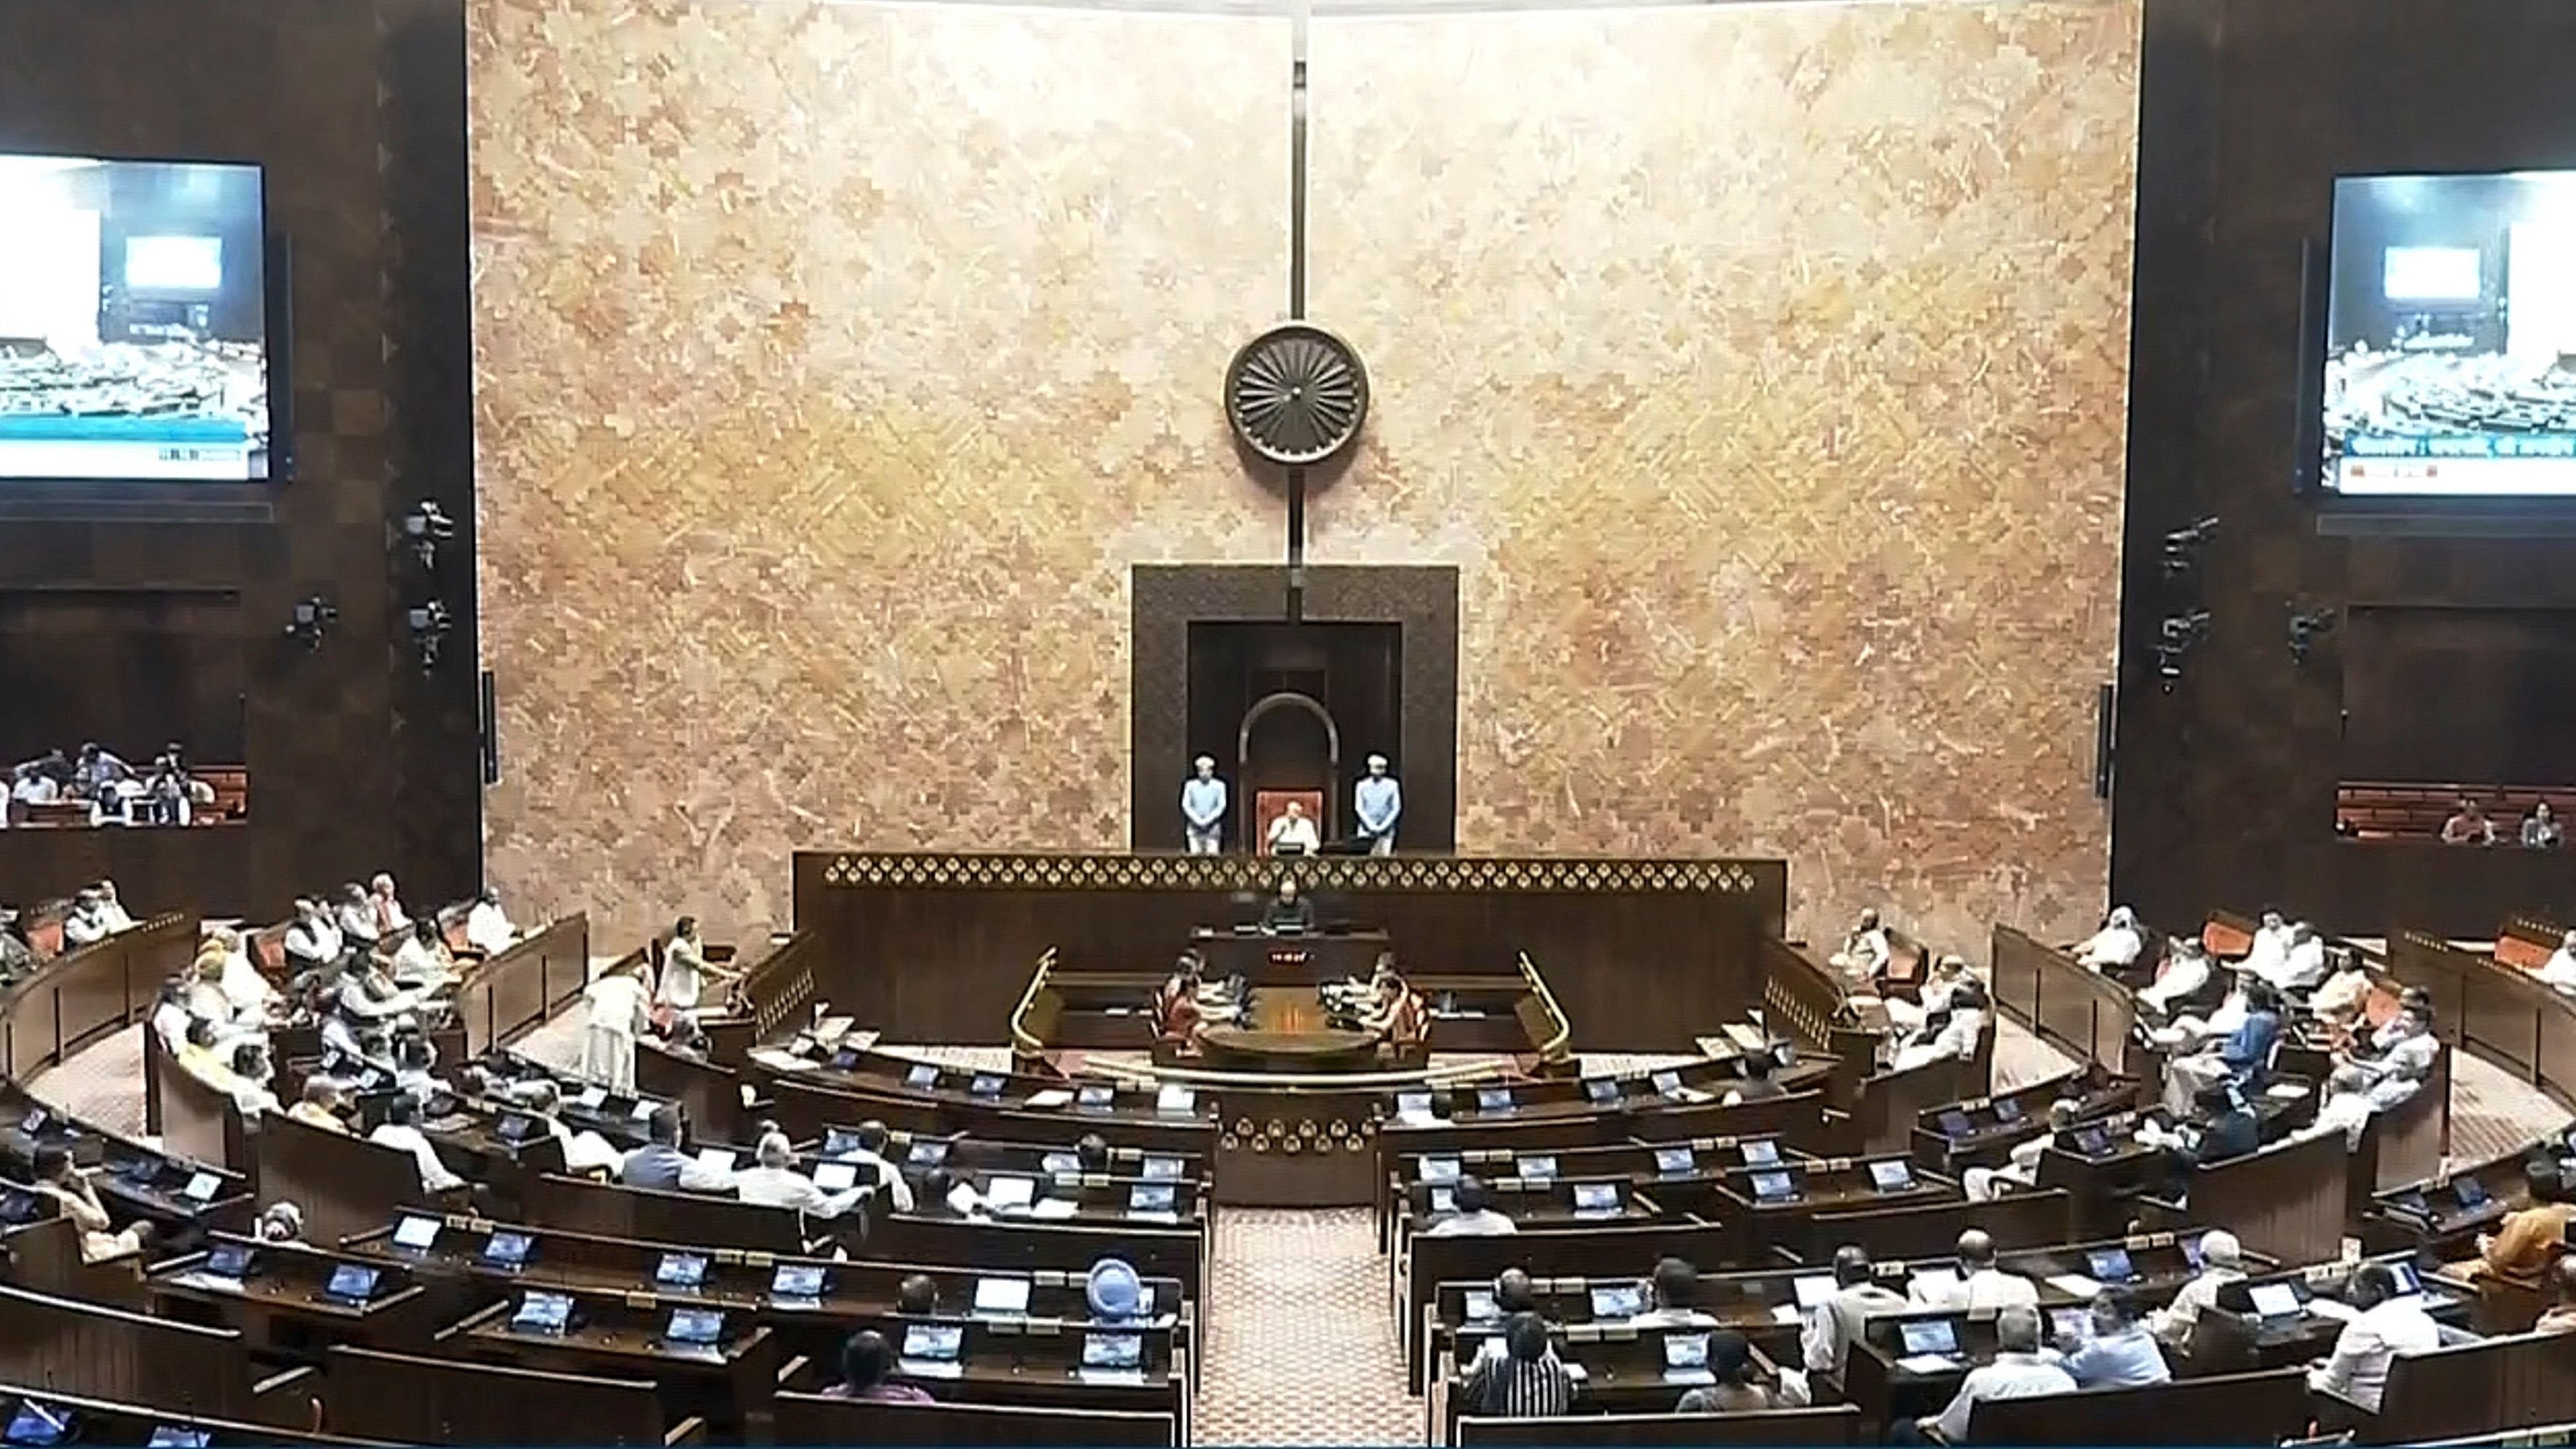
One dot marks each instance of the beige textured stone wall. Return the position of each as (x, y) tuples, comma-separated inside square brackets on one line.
[(1762, 368)]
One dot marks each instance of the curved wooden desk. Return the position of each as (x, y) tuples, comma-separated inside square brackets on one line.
[(1318, 1049)]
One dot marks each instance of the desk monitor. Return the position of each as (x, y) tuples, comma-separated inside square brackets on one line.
[(1675, 1162), (643, 1109), (927, 1152), (1540, 1167), (17, 1205), (179, 1436), (1006, 1191), (506, 1249), (844, 1059), (416, 1231), (1176, 1100), (1954, 1123), (2191, 1253), (1493, 1099), (2404, 1273), (38, 1423), (1150, 1197), (1437, 1169), (1596, 1197), (1113, 1350), (515, 1128), (1061, 1164), (2092, 1141), (934, 1342), (1618, 1300), (985, 1084), (696, 1327), (1413, 1104), (1667, 1083), (1002, 1295), (1480, 1306), (2007, 1110), (1162, 1169), (1761, 1153), (1685, 1350), (836, 1176), (591, 1098), (684, 1271), (1931, 1335), (922, 1077), (1891, 1175), (229, 1260), (351, 1283), (1444, 1199), (2070, 1322), (1096, 1097), (202, 1187), (1773, 1187), (2111, 1265), (1601, 1091), (1814, 1290), (2274, 1300), (2471, 1193), (840, 1142), (34, 1122), (797, 1282), (542, 1312)]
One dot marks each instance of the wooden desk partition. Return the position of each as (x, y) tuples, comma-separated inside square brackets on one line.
[(2286, 1202), (84, 994), (2082, 1012), (815, 1419), (526, 984), (1639, 953), (86, 1348), (410, 1400), (2498, 1013), (346, 1185), (198, 1119), (2252, 1408), (2513, 1382)]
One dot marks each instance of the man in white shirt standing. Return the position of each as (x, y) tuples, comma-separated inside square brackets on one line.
[(1377, 803), (2386, 1326), (618, 1010), (1203, 800), (2222, 1261), (1980, 1286), (2019, 1371)]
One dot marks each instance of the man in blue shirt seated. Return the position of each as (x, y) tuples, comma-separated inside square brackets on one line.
[(2119, 1353)]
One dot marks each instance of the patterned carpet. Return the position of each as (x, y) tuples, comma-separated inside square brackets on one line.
[(1301, 1347)]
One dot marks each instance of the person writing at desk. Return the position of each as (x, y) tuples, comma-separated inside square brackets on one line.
[(1294, 833), (1288, 910)]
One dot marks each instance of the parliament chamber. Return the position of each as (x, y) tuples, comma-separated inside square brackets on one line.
[(1287, 722)]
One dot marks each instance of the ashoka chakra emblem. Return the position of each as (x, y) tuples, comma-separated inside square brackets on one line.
[(1296, 394)]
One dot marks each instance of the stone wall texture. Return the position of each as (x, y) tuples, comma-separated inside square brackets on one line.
[(1763, 370)]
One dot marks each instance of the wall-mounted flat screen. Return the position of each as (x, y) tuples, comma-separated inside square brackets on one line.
[(133, 321), (2451, 336)]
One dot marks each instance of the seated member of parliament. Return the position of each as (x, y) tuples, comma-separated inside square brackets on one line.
[(1294, 833), (1288, 910)]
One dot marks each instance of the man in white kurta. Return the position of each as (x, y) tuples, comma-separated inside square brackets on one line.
[(1378, 802), (1294, 830), (1203, 801), (618, 1009)]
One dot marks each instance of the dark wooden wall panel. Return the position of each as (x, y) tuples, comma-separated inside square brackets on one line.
[(357, 112), (2249, 110), (933, 947)]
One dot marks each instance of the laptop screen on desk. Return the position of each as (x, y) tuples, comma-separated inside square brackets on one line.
[(228, 1260), (840, 1142), (2007, 1110), (1541, 1168), (1438, 1169), (695, 1326), (1939, 1335), (1113, 1350), (680, 1270), (1667, 1084), (1010, 1192), (2274, 1300), (1596, 1197), (923, 1075), (1162, 1169), (1891, 1176), (1001, 1295), (796, 1280), (351, 1283), (1954, 1123), (543, 1313), (507, 1250), (1814, 1289), (1493, 1099), (1150, 1197), (38, 1424), (927, 1152), (2092, 1141), (1601, 1091), (415, 1232), (2111, 1265), (1761, 1154), (1675, 1161), (179, 1436), (836, 1176), (1617, 1300), (1095, 1096), (1772, 1186), (987, 1085), (1685, 1350), (2471, 1192), (938, 1342), (202, 1187)]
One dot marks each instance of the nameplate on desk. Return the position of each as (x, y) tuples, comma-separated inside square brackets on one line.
[(1926, 1363), (1120, 1377)]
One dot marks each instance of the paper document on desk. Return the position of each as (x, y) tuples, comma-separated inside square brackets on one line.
[(780, 1061), (2334, 1308), (1089, 1375), (2286, 1091), (1926, 1363), (1052, 1208), (2074, 1285), (931, 1368), (1747, 1036), (1784, 1313), (1051, 1097)]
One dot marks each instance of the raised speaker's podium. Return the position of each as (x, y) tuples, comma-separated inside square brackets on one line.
[(1296, 958)]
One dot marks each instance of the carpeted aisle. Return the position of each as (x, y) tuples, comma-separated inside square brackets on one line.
[(1301, 1348)]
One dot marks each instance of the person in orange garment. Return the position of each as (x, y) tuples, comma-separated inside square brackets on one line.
[(2527, 1243)]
